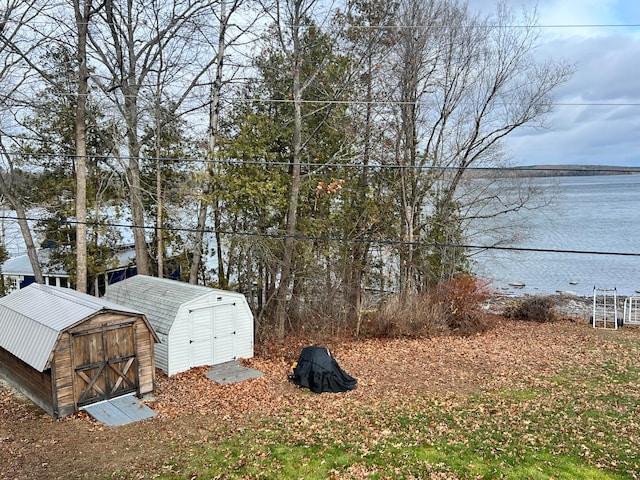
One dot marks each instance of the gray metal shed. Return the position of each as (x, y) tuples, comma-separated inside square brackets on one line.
[(64, 349), (196, 325)]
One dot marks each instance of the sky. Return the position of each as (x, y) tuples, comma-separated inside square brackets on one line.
[(597, 117)]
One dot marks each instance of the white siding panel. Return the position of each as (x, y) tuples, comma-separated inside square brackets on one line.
[(244, 328), (201, 345), (224, 332), (244, 345), (179, 343), (160, 353)]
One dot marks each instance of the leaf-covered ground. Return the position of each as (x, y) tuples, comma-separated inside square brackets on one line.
[(549, 393)]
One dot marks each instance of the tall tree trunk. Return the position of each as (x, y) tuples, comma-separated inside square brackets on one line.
[(223, 280), (360, 250), (408, 87), (196, 258), (159, 213), (82, 22), (143, 262), (214, 115), (292, 212)]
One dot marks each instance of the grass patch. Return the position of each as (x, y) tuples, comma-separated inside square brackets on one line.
[(568, 432), (539, 466), (492, 436), (575, 417)]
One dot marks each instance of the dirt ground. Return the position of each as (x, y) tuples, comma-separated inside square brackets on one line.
[(191, 407)]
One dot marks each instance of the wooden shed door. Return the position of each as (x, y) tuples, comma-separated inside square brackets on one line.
[(104, 360)]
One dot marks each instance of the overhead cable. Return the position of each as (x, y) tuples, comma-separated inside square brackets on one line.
[(373, 241)]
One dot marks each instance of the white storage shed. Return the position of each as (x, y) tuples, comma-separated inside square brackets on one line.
[(196, 325)]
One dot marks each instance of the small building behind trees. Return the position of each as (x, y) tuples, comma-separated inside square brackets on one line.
[(17, 272), (65, 349), (197, 325)]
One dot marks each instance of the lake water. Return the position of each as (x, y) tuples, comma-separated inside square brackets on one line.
[(592, 213), (589, 213)]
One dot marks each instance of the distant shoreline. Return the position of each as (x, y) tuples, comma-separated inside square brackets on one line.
[(573, 170), (535, 171)]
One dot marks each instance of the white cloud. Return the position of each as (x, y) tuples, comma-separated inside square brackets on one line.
[(604, 47)]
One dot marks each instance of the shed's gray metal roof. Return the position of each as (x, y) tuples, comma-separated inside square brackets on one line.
[(159, 298), (32, 318)]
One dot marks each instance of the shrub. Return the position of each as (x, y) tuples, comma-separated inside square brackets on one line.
[(451, 306), (413, 317), (532, 308), (462, 299)]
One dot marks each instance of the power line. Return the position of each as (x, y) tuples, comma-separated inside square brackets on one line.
[(560, 168), (426, 102), (386, 102), (371, 241), (497, 25), (426, 25)]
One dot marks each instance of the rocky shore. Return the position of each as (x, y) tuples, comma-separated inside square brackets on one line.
[(566, 305)]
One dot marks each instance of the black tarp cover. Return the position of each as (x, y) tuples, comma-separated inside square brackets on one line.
[(318, 371)]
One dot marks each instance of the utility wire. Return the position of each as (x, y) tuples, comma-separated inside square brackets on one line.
[(386, 102), (267, 163), (427, 25), (494, 25), (425, 102), (382, 242)]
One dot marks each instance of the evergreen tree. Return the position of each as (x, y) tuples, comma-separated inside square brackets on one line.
[(259, 137)]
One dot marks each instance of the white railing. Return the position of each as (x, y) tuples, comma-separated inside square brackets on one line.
[(605, 308), (632, 310)]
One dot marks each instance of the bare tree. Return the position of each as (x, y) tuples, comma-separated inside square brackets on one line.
[(227, 10), (417, 50), (127, 44), (17, 43), (468, 84), (290, 19), (21, 215)]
